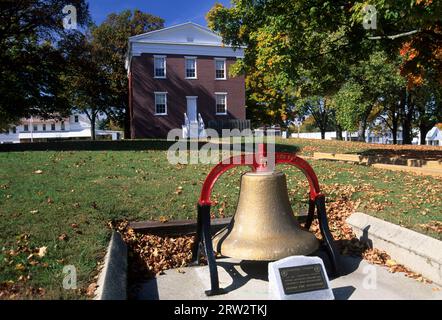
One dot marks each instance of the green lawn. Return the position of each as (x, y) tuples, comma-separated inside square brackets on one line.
[(78, 192)]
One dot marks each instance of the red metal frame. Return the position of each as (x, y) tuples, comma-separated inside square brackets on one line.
[(258, 165)]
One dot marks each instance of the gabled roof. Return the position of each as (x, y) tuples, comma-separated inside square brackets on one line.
[(185, 33), (434, 134), (186, 38)]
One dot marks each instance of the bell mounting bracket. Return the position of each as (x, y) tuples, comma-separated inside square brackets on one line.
[(258, 164)]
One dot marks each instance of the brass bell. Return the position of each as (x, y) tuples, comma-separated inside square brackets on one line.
[(264, 227)]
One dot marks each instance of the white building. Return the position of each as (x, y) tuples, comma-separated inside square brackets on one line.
[(434, 136), (370, 136), (74, 127)]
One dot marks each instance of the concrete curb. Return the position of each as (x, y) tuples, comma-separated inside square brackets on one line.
[(416, 251), (112, 282), (417, 166)]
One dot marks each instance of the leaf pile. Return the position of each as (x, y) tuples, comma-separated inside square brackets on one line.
[(435, 226), (150, 255)]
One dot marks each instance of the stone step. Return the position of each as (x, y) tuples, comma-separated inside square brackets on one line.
[(415, 163), (417, 170), (338, 156)]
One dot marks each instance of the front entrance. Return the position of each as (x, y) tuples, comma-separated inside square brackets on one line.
[(192, 114)]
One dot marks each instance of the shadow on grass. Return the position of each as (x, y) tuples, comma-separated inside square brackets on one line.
[(121, 145), (421, 154)]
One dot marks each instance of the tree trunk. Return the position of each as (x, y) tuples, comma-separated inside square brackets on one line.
[(338, 132), (406, 129), (407, 120), (394, 129), (93, 118), (362, 128), (423, 130), (323, 133)]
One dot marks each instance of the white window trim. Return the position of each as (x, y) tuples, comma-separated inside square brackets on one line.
[(155, 103), (165, 66), (185, 67), (219, 94), (225, 70)]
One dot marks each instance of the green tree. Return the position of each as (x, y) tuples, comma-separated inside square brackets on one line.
[(31, 62), (296, 51), (110, 44), (372, 89), (85, 81)]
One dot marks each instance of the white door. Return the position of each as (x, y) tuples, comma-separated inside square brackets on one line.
[(191, 109)]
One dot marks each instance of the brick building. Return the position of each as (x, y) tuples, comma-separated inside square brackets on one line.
[(179, 78)]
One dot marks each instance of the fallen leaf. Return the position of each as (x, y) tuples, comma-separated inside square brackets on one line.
[(42, 251), (33, 211), (163, 219), (19, 267), (38, 171), (91, 289), (63, 237)]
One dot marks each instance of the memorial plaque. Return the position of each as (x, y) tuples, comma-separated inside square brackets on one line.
[(299, 278), (302, 278)]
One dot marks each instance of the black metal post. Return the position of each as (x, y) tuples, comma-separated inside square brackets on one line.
[(204, 235), (326, 234)]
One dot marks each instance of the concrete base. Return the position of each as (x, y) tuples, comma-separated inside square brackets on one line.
[(416, 251), (248, 280), (112, 281)]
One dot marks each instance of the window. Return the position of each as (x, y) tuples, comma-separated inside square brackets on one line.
[(159, 66), (62, 126), (35, 127), (52, 126), (14, 130), (160, 103), (220, 69), (44, 126), (26, 127), (190, 67), (76, 119), (221, 103)]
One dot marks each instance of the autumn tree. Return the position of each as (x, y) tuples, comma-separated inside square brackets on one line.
[(413, 30), (298, 50)]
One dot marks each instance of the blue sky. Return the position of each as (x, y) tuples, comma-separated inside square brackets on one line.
[(173, 11)]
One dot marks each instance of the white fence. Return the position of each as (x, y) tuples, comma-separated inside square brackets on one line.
[(330, 135)]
